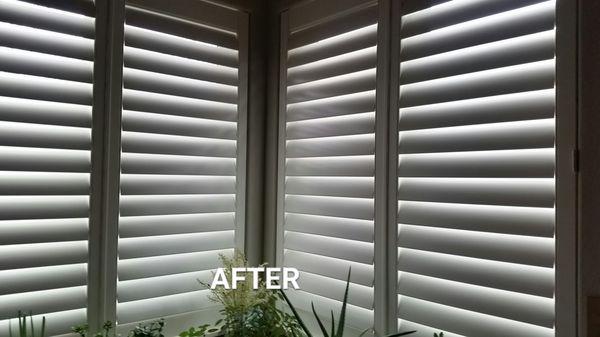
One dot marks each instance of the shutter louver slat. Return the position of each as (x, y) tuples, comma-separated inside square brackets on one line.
[(46, 73), (180, 159), (476, 169)]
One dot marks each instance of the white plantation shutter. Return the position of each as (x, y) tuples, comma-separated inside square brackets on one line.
[(183, 154), (476, 169), (46, 66), (327, 154)]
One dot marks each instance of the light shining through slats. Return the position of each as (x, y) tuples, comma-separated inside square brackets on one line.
[(476, 169), (46, 65), (179, 162), (328, 206)]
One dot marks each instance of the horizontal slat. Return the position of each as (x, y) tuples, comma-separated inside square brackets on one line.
[(350, 250), (352, 145), (531, 221), (178, 46), (45, 65), (179, 66), (42, 17), (41, 183), (331, 267), (343, 43), (332, 126), (351, 229), (453, 12), (44, 112), (354, 208), (521, 21), (213, 16), (44, 230), (57, 323), (134, 163), (50, 160), (502, 108), (43, 207), (332, 106), (43, 41), (133, 226), (44, 136), (170, 264), (133, 205), (337, 65), (465, 322), (539, 46), (312, 25), (42, 254), (333, 86), (177, 105), (355, 187), (161, 184), (357, 317), (131, 248), (135, 290), (179, 20), (519, 307), (519, 278), (40, 302), (41, 88), (178, 125), (166, 265), (524, 77), (505, 192), (536, 163), (177, 145), (499, 247), (136, 311), (179, 86), (42, 278), (358, 295), (357, 166), (497, 136)]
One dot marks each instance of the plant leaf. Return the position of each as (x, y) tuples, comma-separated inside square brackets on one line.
[(401, 333), (321, 326), (295, 312), (340, 332)]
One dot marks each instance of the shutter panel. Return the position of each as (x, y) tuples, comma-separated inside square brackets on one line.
[(46, 71), (328, 131), (476, 169), (182, 155)]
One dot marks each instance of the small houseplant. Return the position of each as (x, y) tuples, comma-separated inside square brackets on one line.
[(23, 327)]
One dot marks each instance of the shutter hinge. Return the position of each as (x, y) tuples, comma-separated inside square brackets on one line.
[(576, 160)]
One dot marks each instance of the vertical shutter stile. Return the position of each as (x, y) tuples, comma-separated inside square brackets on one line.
[(327, 206), (180, 158), (46, 72), (476, 169)]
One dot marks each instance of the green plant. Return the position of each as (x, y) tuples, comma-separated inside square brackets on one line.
[(249, 312), (83, 330), (152, 329), (23, 332), (333, 332), (200, 331)]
